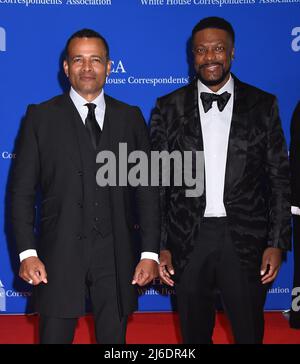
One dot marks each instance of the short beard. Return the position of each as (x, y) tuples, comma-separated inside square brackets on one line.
[(213, 82)]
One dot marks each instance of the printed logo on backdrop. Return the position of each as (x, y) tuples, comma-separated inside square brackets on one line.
[(157, 288), (120, 76), (296, 41), (279, 290), (212, 3), (10, 293), (58, 2), (88, 2), (181, 3), (2, 297), (117, 67), (2, 40), (195, 2), (8, 155)]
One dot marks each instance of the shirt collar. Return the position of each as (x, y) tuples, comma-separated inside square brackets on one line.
[(229, 87), (80, 101)]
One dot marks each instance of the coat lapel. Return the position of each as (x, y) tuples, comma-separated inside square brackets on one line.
[(113, 126), (70, 116), (188, 124), (190, 137), (238, 139)]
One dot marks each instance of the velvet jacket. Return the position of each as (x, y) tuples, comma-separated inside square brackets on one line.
[(257, 184)]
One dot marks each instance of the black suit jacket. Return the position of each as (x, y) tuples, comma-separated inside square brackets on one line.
[(48, 156), (257, 187), (295, 156)]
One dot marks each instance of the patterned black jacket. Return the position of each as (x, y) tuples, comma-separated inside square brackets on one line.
[(257, 184)]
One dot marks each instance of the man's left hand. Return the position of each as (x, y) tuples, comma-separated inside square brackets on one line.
[(271, 258), (145, 272)]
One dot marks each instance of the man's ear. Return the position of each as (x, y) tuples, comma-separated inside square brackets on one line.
[(232, 53), (108, 68), (66, 68)]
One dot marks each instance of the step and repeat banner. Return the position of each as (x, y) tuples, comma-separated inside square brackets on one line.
[(148, 42)]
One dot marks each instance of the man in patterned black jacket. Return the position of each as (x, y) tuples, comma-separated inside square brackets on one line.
[(230, 239)]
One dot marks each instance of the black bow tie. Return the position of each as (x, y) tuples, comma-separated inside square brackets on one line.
[(209, 98)]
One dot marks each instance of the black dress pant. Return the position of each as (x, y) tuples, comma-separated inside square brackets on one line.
[(101, 284), (295, 314), (214, 267)]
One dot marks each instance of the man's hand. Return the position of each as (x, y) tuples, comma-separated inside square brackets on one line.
[(33, 271), (271, 257), (165, 267), (145, 272)]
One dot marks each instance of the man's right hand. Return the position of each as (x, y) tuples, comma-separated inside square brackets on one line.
[(165, 267), (33, 271)]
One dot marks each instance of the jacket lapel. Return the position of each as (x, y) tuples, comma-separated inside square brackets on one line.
[(190, 135), (70, 116), (113, 126), (238, 139)]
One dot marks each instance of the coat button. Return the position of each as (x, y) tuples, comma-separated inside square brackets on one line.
[(79, 204), (79, 236), (80, 173), (96, 218)]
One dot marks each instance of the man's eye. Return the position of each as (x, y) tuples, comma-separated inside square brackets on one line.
[(219, 49), (76, 60), (200, 50), (98, 60)]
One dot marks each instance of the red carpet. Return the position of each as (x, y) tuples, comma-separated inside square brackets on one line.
[(145, 328)]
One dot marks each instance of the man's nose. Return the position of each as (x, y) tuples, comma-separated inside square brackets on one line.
[(87, 65), (210, 55)]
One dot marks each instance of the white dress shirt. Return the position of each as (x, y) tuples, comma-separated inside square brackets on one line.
[(79, 103), (215, 126)]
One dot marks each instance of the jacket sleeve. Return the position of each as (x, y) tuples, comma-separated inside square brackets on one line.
[(295, 156), (278, 174), (23, 183), (159, 142)]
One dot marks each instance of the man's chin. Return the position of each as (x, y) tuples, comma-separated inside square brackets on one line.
[(210, 82), (87, 90), (213, 81)]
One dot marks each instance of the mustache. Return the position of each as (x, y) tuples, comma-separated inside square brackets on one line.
[(210, 64), (87, 74)]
